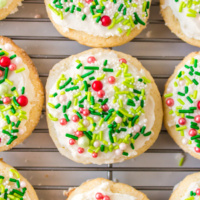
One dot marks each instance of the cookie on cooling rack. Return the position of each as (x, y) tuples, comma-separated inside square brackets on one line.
[(13, 185), (188, 189), (183, 19), (103, 189), (8, 7), (103, 106), (182, 105), (98, 23), (21, 95)]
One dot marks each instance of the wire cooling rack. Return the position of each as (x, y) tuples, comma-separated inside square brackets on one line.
[(154, 172)]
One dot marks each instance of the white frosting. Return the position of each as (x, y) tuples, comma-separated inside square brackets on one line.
[(181, 88), (104, 188), (192, 187), (74, 20), (190, 26), (146, 119), (19, 80)]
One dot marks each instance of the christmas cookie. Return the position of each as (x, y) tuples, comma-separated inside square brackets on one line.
[(102, 107), (188, 189), (182, 105), (8, 7), (99, 23), (13, 185), (103, 189), (183, 18), (21, 95)]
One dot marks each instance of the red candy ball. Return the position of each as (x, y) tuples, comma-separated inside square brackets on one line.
[(192, 132), (106, 197), (80, 150), (91, 59), (1, 73), (6, 100), (72, 141), (197, 149), (94, 155), (99, 196), (105, 107), (81, 110), (75, 118), (197, 119), (63, 121), (12, 67), (198, 105), (198, 191), (97, 85), (111, 79), (101, 93), (170, 102), (86, 112), (182, 121), (105, 20), (122, 60), (22, 100), (88, 1), (4, 61), (79, 133)]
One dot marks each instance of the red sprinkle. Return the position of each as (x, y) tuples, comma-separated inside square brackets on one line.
[(182, 121), (94, 155), (99, 195), (75, 118), (86, 112), (105, 20), (197, 149), (198, 191), (12, 67), (22, 100), (111, 79), (80, 150), (122, 60), (105, 107), (197, 119), (79, 133), (4, 61), (6, 100), (72, 141), (63, 121), (192, 132), (91, 59), (198, 105), (170, 102), (101, 93), (97, 85)]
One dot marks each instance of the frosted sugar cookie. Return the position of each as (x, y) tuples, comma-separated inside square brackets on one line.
[(182, 104), (21, 95), (8, 7), (103, 106), (13, 185), (99, 23), (188, 189), (103, 189), (183, 18)]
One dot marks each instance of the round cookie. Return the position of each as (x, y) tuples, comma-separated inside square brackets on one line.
[(183, 19), (13, 185), (98, 23), (21, 95), (103, 107), (103, 189), (8, 7), (189, 188), (181, 102)]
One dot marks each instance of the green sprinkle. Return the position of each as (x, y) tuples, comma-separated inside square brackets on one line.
[(108, 70), (71, 136)]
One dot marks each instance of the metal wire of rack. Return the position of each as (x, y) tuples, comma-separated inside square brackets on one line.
[(156, 171)]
